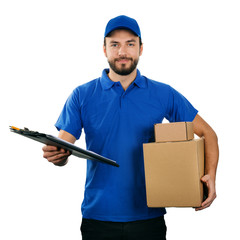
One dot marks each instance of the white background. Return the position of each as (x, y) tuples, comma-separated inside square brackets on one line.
[(49, 47)]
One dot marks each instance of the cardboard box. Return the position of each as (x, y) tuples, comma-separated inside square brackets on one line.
[(177, 131), (173, 171)]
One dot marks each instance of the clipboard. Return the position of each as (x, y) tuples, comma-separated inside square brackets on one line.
[(58, 142)]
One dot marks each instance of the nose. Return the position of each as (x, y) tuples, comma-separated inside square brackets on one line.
[(122, 52)]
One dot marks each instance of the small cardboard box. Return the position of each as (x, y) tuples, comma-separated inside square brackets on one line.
[(177, 131), (173, 171)]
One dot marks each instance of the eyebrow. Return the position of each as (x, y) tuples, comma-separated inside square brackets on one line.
[(132, 40), (128, 41), (112, 41)]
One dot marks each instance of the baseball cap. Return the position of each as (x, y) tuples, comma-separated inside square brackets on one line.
[(122, 22)]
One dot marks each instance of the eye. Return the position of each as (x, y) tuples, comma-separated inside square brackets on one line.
[(131, 44), (114, 45)]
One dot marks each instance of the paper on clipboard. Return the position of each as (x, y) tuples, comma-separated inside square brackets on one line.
[(58, 142)]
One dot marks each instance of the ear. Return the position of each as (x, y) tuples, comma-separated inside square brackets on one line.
[(141, 50), (104, 50)]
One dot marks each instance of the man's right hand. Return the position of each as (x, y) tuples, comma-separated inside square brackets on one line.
[(56, 156)]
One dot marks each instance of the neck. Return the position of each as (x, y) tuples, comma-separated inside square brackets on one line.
[(124, 80)]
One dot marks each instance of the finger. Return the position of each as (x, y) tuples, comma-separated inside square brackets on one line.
[(57, 157), (209, 200), (49, 154), (211, 192), (53, 155), (64, 151), (60, 160), (204, 206), (207, 203), (49, 148), (205, 178)]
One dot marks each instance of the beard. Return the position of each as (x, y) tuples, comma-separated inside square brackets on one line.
[(123, 70)]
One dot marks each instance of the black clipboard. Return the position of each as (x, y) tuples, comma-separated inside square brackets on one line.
[(58, 142)]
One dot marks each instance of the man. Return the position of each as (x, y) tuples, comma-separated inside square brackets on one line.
[(118, 111)]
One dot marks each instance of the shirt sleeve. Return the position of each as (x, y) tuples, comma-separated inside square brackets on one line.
[(70, 117), (179, 108)]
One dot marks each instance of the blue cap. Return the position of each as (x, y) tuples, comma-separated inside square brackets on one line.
[(122, 22)]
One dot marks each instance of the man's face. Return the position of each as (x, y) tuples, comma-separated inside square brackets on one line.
[(122, 50)]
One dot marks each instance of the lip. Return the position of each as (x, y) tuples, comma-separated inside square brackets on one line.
[(123, 61)]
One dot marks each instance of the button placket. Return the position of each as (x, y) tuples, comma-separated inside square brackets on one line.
[(122, 99)]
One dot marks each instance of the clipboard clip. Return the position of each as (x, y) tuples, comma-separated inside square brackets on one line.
[(25, 131)]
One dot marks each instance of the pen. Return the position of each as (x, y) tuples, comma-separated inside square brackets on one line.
[(15, 128)]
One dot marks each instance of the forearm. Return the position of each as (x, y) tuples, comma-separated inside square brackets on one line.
[(203, 129), (211, 153)]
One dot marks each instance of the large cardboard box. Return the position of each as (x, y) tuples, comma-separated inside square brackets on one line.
[(177, 131), (173, 171)]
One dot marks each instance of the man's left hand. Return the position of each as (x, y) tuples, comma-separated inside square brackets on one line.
[(209, 183)]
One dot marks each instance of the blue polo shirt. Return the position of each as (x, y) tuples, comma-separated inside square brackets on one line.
[(116, 124)]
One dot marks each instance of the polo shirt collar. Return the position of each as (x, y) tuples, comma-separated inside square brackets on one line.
[(106, 83)]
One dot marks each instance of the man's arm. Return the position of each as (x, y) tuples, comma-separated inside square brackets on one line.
[(57, 156), (202, 129)]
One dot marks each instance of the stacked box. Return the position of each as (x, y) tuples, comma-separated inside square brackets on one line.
[(173, 132), (174, 165)]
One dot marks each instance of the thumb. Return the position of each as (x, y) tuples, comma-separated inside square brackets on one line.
[(205, 178), (62, 150)]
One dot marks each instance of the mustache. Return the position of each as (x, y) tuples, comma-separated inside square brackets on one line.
[(123, 58)]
